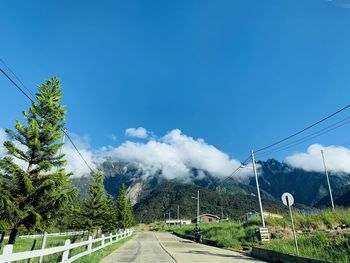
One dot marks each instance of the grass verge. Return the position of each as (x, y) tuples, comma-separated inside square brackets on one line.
[(102, 253), (319, 245)]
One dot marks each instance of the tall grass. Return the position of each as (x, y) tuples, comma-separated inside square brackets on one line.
[(333, 246), (327, 219), (319, 245), (227, 234)]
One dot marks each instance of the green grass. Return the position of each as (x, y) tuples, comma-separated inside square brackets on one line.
[(319, 245), (102, 253), (227, 234), (322, 243), (325, 220), (25, 244)]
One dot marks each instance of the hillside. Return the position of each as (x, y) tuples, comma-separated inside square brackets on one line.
[(170, 194), (341, 197), (277, 178)]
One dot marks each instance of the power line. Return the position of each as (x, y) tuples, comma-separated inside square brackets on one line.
[(65, 132), (19, 80), (286, 148), (234, 172), (76, 148), (302, 130), (18, 87), (308, 137)]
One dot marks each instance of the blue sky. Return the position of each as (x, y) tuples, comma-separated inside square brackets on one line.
[(238, 74)]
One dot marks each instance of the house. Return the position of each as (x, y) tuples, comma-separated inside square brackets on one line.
[(177, 222), (206, 218)]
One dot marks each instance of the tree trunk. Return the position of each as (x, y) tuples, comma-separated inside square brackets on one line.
[(13, 235)]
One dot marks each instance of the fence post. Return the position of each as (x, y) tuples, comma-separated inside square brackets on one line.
[(8, 249), (116, 237), (65, 255), (43, 245), (103, 240), (110, 238), (90, 244)]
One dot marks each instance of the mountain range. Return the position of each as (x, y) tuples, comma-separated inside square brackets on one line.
[(152, 194)]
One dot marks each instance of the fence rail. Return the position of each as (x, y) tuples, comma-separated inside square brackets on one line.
[(8, 255), (73, 233)]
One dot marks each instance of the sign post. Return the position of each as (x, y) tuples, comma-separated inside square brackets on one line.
[(288, 200)]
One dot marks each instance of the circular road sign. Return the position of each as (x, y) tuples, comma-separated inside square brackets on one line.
[(287, 199)]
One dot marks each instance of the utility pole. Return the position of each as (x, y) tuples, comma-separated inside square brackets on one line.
[(197, 206), (178, 212), (197, 221), (258, 189), (329, 185)]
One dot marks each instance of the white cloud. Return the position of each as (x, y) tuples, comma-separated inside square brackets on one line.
[(139, 132), (337, 159), (75, 164), (175, 154)]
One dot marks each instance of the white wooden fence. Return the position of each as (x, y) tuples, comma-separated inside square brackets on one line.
[(75, 233), (8, 255)]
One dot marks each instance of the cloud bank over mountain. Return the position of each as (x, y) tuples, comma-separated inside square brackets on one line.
[(337, 159), (175, 154)]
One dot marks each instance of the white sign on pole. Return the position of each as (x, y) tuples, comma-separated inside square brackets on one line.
[(287, 199)]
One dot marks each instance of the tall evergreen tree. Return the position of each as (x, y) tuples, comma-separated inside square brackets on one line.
[(96, 205), (130, 214), (33, 182), (125, 217)]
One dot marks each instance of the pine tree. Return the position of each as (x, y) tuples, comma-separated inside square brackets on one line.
[(109, 222), (130, 214), (33, 182), (125, 217), (96, 205)]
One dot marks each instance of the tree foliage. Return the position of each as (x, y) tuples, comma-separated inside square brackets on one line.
[(98, 208), (33, 181), (125, 217)]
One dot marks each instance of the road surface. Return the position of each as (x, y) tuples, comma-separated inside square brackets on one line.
[(151, 247), (144, 247)]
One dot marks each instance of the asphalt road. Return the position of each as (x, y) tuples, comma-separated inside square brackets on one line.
[(185, 251), (163, 247), (144, 247)]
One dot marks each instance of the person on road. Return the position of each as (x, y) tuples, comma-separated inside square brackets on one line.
[(197, 234)]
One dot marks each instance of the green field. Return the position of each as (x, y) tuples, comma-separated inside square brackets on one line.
[(319, 240)]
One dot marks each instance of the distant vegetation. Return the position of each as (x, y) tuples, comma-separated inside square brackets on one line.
[(170, 194)]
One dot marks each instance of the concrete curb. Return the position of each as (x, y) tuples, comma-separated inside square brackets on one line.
[(163, 247)]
